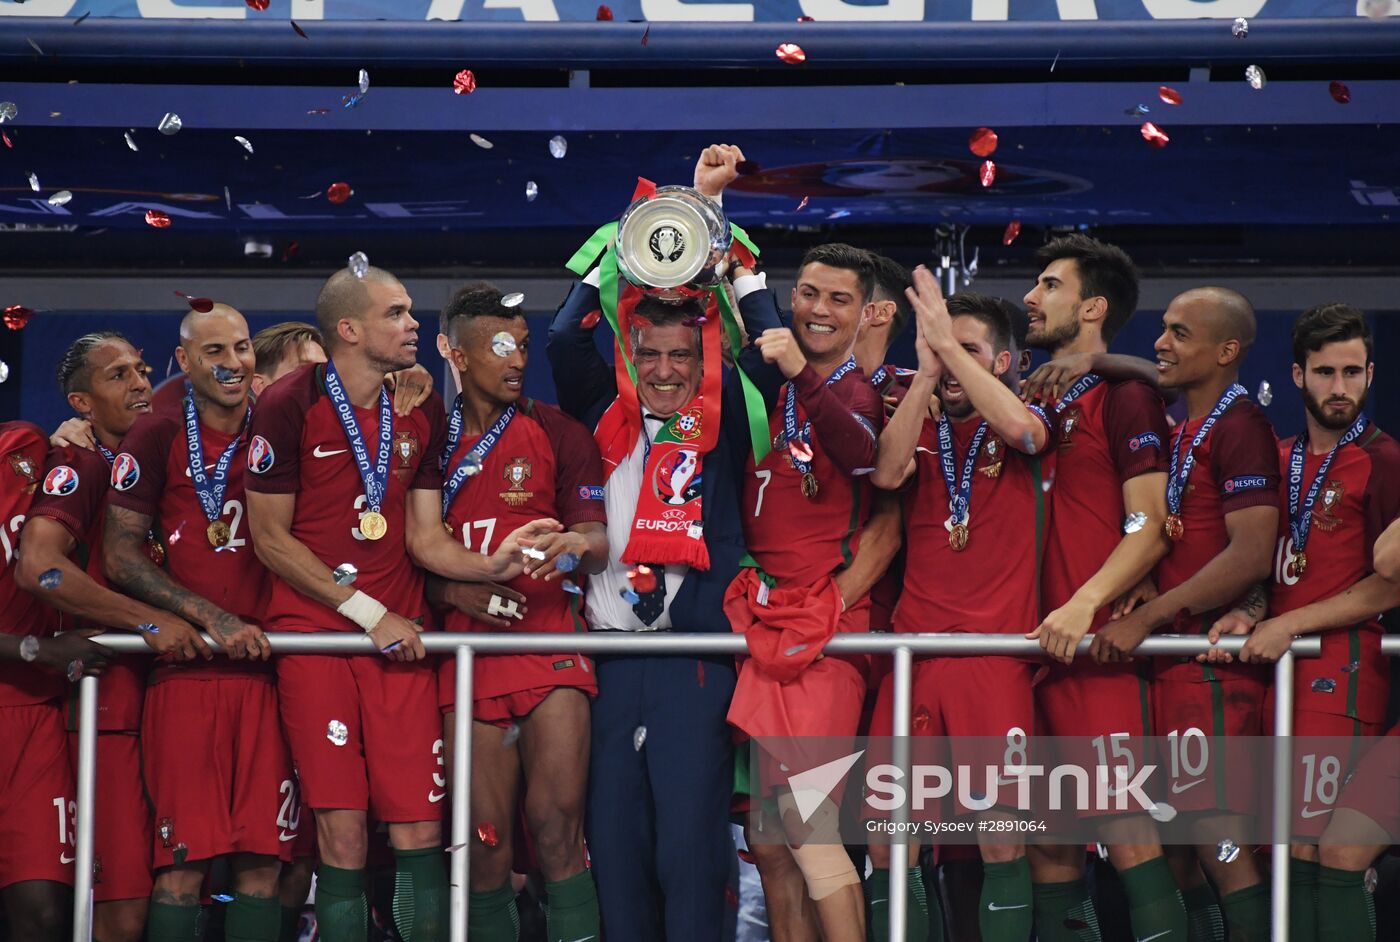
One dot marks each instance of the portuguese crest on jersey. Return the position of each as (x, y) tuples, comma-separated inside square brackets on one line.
[(995, 450), (687, 425), (516, 473), (1073, 417), (61, 481), (406, 447), (1326, 518), (24, 466)]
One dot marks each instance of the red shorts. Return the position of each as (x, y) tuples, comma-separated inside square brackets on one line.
[(217, 768), (519, 682), (36, 780), (1373, 789), (1195, 717), (362, 732), (122, 819), (1327, 749)]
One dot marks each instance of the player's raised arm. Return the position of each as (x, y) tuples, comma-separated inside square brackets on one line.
[(431, 547), (895, 461)]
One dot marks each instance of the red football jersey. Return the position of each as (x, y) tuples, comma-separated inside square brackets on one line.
[(797, 539), (992, 584), (232, 577), (22, 448), (74, 493), (298, 446), (1236, 467), (1113, 432), (1357, 501), (546, 464)]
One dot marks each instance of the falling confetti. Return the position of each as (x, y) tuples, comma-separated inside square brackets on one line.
[(481, 142), (1162, 812), (258, 5), (532, 190), (130, 141), (34, 182), (988, 173), (1154, 135), (228, 200), (791, 53), (359, 264), (514, 299), (50, 578), (566, 562), (8, 111), (639, 738), (642, 578), (646, 35), (149, 628), (571, 587), (1340, 93), (983, 142), (170, 124), (17, 315), (291, 250), (337, 732), (590, 320), (364, 81), (1351, 668), (247, 144), (221, 898), (75, 670), (558, 147), (1227, 851), (1255, 77), (1169, 95), (1136, 111), (511, 736), (4, 371), (838, 214), (300, 32), (529, 552), (1240, 28), (802, 205), (486, 833), (6, 139), (464, 83), (629, 596), (33, 45), (922, 720), (1013, 229), (1134, 522), (351, 100), (202, 305), (319, 111), (338, 192), (157, 219), (795, 649), (1372, 879), (604, 13), (1265, 395)]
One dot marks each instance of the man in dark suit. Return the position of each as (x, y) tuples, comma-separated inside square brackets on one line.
[(661, 773)]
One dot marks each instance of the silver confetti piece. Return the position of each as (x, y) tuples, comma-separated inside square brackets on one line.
[(4, 371), (359, 264), (61, 198), (34, 182), (8, 111), (503, 345), (364, 81), (170, 124), (512, 734), (529, 552), (345, 573), (1265, 395), (1255, 77), (514, 299), (795, 649), (566, 562), (1351, 668), (1227, 851), (337, 732), (1324, 685), (75, 670), (532, 190), (639, 738), (149, 628), (558, 147), (29, 648), (1240, 28), (221, 898), (247, 144), (1162, 812), (130, 141), (472, 464), (1371, 880), (1134, 522), (571, 587), (481, 142), (51, 578), (1137, 111)]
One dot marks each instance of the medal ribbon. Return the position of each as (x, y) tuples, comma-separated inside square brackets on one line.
[(374, 477), (1176, 480), (877, 379), (790, 431), (210, 490), (480, 450), (1300, 513), (959, 493), (1082, 385)]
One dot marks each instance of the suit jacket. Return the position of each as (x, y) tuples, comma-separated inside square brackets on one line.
[(586, 386)]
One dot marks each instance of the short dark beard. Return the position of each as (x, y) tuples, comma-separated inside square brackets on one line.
[(1052, 340), (957, 410), (1329, 422)]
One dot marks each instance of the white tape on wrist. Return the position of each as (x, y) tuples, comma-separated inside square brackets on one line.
[(363, 610)]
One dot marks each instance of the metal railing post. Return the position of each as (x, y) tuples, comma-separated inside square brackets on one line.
[(461, 794), (1283, 795), (87, 792), (899, 847)]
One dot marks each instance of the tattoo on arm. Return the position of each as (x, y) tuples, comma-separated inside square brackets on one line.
[(132, 569), (1256, 603)]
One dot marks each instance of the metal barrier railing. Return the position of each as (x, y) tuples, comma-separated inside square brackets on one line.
[(902, 646)]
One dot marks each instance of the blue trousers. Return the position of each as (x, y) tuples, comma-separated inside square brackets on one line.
[(658, 831)]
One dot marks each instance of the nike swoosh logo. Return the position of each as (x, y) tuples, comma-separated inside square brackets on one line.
[(1309, 813), (994, 908), (284, 837), (435, 796), (1157, 936), (1177, 789), (65, 859), (318, 453)]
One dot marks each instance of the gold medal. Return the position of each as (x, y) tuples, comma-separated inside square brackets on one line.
[(957, 537), (809, 485), (1300, 562), (1174, 527), (447, 526), (373, 526), (155, 551), (218, 533)]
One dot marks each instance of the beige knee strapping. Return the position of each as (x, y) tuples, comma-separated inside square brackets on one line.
[(825, 865)]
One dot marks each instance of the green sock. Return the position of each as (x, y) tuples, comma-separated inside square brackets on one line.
[(1247, 913), (420, 894), (1155, 907), (877, 907), (572, 914), (1004, 912), (1351, 911), (1204, 923), (928, 878), (1064, 912), (1302, 899), (342, 911), (291, 921), (492, 916), (167, 922), (253, 919)]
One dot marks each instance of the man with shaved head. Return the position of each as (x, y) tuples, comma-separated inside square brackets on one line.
[(1222, 514), (345, 504), (216, 764)]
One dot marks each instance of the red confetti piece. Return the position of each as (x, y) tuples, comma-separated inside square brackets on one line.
[(591, 319), (642, 579), (802, 205), (338, 192), (292, 248), (745, 855), (604, 13), (1154, 135), (464, 83), (983, 142), (486, 833), (300, 32), (202, 305), (988, 173), (1340, 93), (1169, 95), (922, 720), (16, 316), (6, 138), (730, 897), (157, 219), (791, 53), (646, 35), (319, 111), (1013, 229), (258, 5), (806, 19)]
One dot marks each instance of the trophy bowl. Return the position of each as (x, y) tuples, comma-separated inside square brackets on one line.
[(674, 243)]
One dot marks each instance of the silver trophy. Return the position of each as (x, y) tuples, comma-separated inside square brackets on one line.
[(673, 243)]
